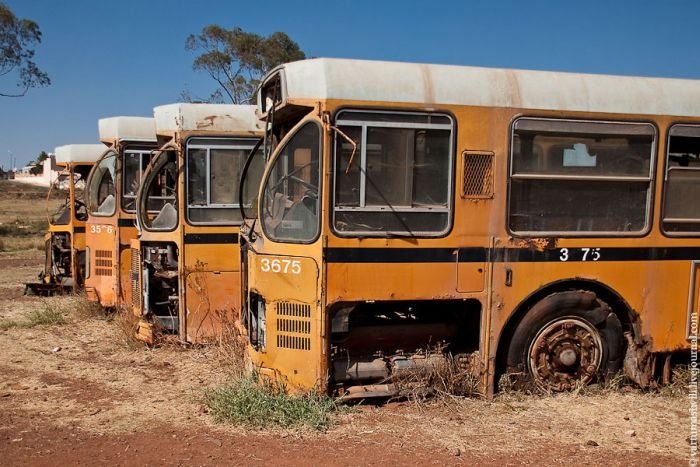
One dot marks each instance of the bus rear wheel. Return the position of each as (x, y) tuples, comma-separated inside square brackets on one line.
[(567, 339)]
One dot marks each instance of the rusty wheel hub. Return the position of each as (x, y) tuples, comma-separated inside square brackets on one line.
[(565, 352)]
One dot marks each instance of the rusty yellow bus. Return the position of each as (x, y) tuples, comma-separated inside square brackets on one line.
[(64, 265), (537, 226), (185, 263), (111, 204)]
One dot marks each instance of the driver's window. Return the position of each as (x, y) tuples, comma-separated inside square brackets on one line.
[(290, 207), (161, 196), (101, 190)]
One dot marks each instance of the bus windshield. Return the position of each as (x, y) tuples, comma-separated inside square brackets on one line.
[(158, 202), (101, 190)]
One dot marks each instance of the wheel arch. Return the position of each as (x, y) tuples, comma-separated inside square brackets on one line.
[(627, 316)]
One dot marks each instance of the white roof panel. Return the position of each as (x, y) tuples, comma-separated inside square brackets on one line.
[(127, 129), (205, 117), (363, 80), (79, 153)]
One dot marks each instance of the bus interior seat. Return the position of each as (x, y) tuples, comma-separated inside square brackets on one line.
[(166, 218)]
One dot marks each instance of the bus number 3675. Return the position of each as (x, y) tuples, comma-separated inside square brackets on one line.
[(285, 266)]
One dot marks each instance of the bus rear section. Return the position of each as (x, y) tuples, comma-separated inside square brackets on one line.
[(189, 261), (546, 242), (64, 243), (111, 190)]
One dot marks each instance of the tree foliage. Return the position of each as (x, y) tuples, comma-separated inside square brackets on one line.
[(38, 166), (17, 40), (237, 60)]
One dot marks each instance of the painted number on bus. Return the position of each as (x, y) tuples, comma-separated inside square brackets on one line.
[(285, 266), (98, 229), (587, 254)]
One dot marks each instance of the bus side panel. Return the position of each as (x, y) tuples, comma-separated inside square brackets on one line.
[(212, 289), (387, 281), (657, 292), (212, 304)]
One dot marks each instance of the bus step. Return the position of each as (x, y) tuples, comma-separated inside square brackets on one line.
[(369, 391)]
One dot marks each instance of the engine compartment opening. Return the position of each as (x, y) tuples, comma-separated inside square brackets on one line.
[(373, 343), (160, 284)]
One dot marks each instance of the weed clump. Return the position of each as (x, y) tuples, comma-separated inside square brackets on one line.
[(253, 402), (48, 316), (127, 325)]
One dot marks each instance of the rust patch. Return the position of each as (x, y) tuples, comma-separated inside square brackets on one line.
[(535, 244), (639, 364), (206, 122)]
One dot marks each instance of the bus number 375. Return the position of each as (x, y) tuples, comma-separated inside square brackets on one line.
[(587, 254)]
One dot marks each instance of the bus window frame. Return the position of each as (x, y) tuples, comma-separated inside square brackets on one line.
[(451, 176), (88, 184), (664, 189), (154, 166), (651, 181), (282, 145), (246, 149), (142, 151)]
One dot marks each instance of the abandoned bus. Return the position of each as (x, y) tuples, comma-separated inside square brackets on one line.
[(64, 243), (527, 225), (186, 261), (111, 202)]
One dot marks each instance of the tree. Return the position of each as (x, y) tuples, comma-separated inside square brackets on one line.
[(17, 40), (237, 60), (38, 166)]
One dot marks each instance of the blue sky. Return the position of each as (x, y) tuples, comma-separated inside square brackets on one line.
[(123, 58)]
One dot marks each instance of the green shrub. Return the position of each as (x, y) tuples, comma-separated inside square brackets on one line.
[(251, 402)]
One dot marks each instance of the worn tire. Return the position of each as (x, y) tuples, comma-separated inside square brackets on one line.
[(567, 339)]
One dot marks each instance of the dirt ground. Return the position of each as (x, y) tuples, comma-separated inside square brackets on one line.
[(76, 394)]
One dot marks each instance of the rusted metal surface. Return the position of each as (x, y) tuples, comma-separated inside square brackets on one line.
[(639, 362), (144, 332), (565, 353)]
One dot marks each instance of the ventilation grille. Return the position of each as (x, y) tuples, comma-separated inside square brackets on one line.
[(135, 284), (478, 175), (103, 263), (294, 326)]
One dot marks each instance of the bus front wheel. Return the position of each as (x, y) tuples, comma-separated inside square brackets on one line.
[(567, 339)]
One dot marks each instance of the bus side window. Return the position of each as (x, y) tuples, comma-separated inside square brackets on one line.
[(681, 211), (578, 177)]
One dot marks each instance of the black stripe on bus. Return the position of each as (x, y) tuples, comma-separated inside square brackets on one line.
[(79, 229), (505, 255), (126, 222), (211, 238)]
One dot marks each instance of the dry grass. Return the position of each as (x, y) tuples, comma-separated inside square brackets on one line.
[(231, 348), (443, 378), (14, 243), (53, 311), (126, 324)]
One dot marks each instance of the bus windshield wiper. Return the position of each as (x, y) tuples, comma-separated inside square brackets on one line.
[(391, 208)]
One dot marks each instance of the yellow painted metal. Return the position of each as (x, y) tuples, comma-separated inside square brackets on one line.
[(209, 294), (655, 291)]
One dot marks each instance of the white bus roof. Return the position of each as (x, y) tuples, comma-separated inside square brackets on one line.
[(127, 129), (205, 117), (363, 80), (79, 153)]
